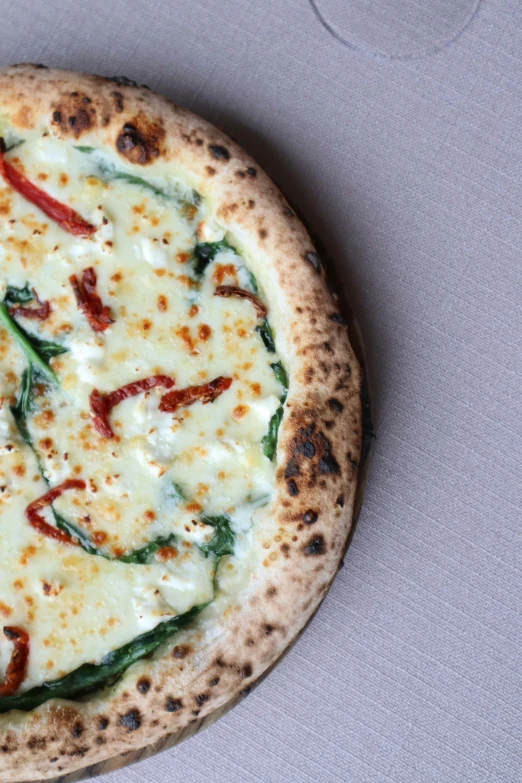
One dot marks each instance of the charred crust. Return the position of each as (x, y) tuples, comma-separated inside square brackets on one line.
[(103, 723), (353, 462), (73, 114), (131, 720), (337, 318), (268, 629), (81, 752), (316, 546), (328, 464), (313, 259), (201, 698), (141, 140), (181, 651), (122, 81), (213, 682), (292, 488), (335, 405), (308, 444), (246, 671), (78, 729), (288, 212), (34, 743), (340, 501), (310, 517), (118, 101), (143, 685), (219, 152), (251, 172), (173, 705), (344, 378)]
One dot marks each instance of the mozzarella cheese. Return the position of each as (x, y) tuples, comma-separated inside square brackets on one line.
[(163, 473)]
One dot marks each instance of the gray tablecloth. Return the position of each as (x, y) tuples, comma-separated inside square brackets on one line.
[(410, 169)]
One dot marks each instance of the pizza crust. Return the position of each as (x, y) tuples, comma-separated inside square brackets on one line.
[(319, 442)]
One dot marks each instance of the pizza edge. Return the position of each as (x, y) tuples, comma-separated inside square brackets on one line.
[(319, 441)]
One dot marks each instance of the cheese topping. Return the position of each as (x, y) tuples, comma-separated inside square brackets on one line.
[(173, 480)]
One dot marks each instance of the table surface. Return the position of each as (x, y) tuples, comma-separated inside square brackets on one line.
[(408, 164)]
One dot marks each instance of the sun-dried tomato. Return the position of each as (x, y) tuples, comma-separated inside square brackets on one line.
[(39, 523), (240, 293), (89, 302), (17, 666), (65, 216), (102, 404), (207, 392)]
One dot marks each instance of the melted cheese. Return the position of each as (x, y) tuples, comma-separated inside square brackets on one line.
[(164, 471)]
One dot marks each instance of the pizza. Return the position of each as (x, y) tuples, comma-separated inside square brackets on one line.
[(180, 421)]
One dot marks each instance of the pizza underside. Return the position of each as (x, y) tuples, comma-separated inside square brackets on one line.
[(180, 421)]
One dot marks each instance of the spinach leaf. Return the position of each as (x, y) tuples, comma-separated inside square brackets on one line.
[(205, 252), (269, 442), (138, 556), (108, 173), (14, 144), (252, 280), (142, 555), (222, 543), (21, 408), (76, 532), (15, 295), (172, 492), (38, 352), (265, 330), (281, 376), (133, 179), (91, 676)]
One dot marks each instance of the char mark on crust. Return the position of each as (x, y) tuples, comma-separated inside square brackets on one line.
[(131, 720), (316, 546), (73, 114), (314, 260), (337, 318), (118, 101), (219, 152), (310, 517), (143, 685), (141, 140), (310, 453), (173, 705), (292, 488), (122, 81)]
